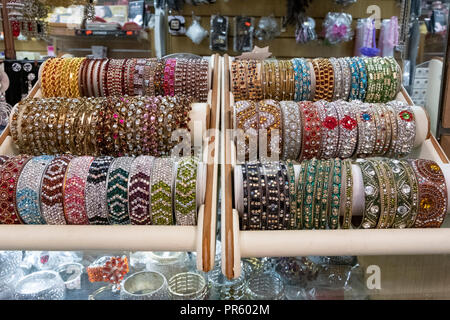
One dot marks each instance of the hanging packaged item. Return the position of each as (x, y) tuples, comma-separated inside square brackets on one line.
[(177, 25), (388, 36), (268, 29), (196, 32), (364, 31), (219, 33), (337, 27), (305, 30), (243, 33)]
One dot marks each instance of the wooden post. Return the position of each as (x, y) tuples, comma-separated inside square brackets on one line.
[(10, 52)]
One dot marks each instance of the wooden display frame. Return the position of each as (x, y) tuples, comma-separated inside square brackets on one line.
[(237, 244), (200, 238)]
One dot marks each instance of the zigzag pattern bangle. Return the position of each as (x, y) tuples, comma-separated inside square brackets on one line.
[(161, 191), (186, 192), (139, 190), (117, 195)]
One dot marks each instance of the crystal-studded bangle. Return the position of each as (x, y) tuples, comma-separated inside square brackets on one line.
[(246, 117), (348, 195), (285, 201), (74, 190), (257, 217), (317, 193), (308, 201), (243, 217), (346, 78), (186, 192), (269, 113), (432, 194), (117, 194), (372, 196), (161, 191), (322, 213), (367, 132), (354, 84), (292, 133), (301, 185), (406, 128), (96, 189), (139, 190), (311, 139), (393, 201), (404, 195), (414, 186), (348, 131), (9, 175), (272, 194), (337, 79), (335, 195), (385, 189), (362, 78), (330, 129), (292, 195), (52, 199), (298, 80), (28, 190)]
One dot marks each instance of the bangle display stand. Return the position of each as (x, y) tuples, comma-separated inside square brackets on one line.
[(239, 244), (199, 238)]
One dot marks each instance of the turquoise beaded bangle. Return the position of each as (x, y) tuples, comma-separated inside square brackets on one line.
[(354, 70), (362, 78)]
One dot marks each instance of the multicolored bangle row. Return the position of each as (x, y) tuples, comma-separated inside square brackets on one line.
[(397, 194), (99, 191), (375, 79)]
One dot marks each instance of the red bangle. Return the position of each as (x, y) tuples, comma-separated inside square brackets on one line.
[(121, 78), (311, 135), (9, 175)]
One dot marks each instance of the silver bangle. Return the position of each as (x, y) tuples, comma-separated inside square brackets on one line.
[(41, 285), (292, 130), (367, 129), (71, 274), (188, 286), (406, 128), (337, 78), (330, 129), (144, 285)]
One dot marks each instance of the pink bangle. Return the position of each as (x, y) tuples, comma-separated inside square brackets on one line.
[(169, 77), (74, 190)]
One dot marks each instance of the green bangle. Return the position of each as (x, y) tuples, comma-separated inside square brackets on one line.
[(161, 192), (317, 198), (324, 201), (393, 201), (292, 194), (414, 183), (394, 79), (307, 211), (370, 79), (372, 202), (383, 220), (336, 181), (186, 192), (301, 189), (406, 205), (348, 196)]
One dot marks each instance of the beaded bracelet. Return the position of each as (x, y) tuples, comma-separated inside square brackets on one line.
[(362, 78), (28, 190), (9, 174), (117, 192), (161, 192), (354, 71), (186, 192), (96, 191), (432, 194)]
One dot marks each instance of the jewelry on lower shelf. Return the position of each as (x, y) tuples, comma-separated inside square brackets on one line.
[(108, 269)]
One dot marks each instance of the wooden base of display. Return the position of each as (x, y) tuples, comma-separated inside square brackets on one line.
[(237, 244), (200, 238)]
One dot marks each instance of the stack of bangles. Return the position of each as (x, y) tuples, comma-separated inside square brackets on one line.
[(85, 190), (82, 77), (376, 79), (117, 126), (324, 130), (320, 194)]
